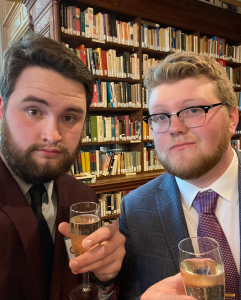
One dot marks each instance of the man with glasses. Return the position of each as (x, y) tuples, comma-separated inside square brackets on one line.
[(193, 116)]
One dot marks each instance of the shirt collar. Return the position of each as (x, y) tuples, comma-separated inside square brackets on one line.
[(24, 186), (226, 185)]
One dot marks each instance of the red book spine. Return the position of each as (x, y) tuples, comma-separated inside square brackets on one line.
[(104, 62)]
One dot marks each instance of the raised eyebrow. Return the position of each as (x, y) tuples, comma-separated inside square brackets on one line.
[(35, 99)]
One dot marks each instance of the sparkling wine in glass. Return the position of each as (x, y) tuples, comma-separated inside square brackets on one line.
[(202, 268), (85, 218)]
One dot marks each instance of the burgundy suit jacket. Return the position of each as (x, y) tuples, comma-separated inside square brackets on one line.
[(21, 272)]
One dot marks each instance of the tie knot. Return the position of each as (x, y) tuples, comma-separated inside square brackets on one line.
[(206, 202), (36, 192)]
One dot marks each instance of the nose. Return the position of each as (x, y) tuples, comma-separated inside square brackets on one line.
[(51, 132), (176, 126)]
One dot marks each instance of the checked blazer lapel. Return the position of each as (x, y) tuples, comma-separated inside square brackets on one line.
[(172, 217), (239, 191)]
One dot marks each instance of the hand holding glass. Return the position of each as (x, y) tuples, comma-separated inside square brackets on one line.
[(202, 268), (84, 219)]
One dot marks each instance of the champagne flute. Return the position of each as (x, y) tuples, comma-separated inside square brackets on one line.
[(202, 268), (85, 218)]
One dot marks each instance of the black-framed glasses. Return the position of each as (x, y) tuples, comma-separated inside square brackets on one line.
[(191, 117)]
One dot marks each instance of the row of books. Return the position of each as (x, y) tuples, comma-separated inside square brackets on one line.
[(148, 63), (171, 40), (234, 75), (224, 5), (113, 128), (167, 39), (150, 160), (116, 94), (101, 26), (110, 203), (109, 63), (114, 162), (217, 47)]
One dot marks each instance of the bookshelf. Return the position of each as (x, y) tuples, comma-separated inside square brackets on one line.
[(190, 16)]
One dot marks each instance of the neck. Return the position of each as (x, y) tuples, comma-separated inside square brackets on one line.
[(210, 177)]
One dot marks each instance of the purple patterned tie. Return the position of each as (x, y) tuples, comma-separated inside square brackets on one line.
[(205, 204)]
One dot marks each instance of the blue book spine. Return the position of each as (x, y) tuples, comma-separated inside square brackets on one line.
[(82, 25), (98, 92), (109, 96), (220, 47), (157, 38), (173, 38)]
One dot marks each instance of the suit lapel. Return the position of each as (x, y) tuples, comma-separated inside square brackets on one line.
[(16, 207), (172, 217), (239, 190)]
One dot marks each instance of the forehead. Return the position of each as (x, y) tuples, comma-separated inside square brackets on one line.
[(183, 91), (50, 86)]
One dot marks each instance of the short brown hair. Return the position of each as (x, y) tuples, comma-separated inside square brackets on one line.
[(36, 50), (176, 67)]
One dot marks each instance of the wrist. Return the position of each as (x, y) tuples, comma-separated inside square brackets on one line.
[(106, 285)]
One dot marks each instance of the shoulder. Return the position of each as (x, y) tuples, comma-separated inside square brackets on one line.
[(76, 188), (147, 191)]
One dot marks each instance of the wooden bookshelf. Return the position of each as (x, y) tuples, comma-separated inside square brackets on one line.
[(110, 217), (106, 184), (190, 16)]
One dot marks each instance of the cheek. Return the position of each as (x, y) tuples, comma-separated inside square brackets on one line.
[(160, 142), (70, 138), (21, 131)]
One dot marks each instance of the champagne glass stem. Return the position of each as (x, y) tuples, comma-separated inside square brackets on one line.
[(86, 285)]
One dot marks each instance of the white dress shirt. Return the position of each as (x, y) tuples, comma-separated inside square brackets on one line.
[(227, 211)]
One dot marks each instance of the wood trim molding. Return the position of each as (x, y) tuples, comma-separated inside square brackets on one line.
[(3, 31), (12, 14), (16, 22)]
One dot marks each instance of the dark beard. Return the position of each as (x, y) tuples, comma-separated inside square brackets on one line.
[(24, 166)]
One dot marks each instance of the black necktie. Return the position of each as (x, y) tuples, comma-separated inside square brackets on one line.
[(46, 243)]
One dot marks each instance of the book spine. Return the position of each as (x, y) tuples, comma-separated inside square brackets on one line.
[(77, 17), (82, 20), (62, 16)]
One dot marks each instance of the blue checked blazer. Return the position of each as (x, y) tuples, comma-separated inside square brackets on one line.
[(153, 222)]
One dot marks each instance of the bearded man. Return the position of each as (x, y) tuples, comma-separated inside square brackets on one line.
[(193, 116), (46, 92)]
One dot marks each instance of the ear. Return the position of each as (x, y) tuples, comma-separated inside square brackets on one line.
[(233, 120), (1, 108)]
